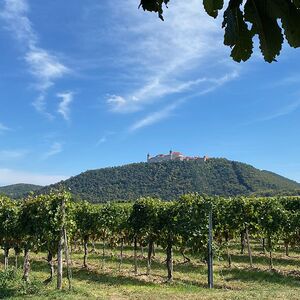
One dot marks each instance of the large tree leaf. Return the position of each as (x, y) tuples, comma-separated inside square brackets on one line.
[(290, 18), (291, 25), (266, 26), (213, 6), (154, 5), (237, 35)]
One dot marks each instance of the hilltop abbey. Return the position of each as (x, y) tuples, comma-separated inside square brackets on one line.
[(173, 156)]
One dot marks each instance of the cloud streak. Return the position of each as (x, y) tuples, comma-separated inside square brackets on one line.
[(3, 128), (290, 108), (55, 149), (153, 90), (154, 117), (64, 105), (44, 66), (104, 138), (11, 154), (164, 113)]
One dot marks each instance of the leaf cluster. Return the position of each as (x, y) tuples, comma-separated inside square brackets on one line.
[(243, 20)]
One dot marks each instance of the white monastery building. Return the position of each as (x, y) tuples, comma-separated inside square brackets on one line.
[(173, 156)]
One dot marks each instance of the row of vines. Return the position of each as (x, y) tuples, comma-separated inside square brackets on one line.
[(42, 223)]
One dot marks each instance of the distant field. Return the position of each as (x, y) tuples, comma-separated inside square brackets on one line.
[(103, 280)]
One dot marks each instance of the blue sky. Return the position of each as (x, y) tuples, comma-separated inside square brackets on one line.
[(101, 83)]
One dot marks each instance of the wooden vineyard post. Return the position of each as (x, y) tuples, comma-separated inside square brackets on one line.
[(249, 248), (6, 253), (60, 248), (135, 256), (26, 264), (121, 254), (67, 258), (210, 251)]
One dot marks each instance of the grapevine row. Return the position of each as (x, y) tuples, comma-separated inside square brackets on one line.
[(36, 223)]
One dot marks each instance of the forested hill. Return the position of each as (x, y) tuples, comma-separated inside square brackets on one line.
[(18, 190), (170, 179)]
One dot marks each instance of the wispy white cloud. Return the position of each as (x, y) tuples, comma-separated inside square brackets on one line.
[(133, 103), (44, 66), (3, 128), (164, 113), (291, 79), (64, 105), (105, 138), (6, 155), (11, 176), (55, 149), (40, 105), (167, 58), (153, 90), (286, 110), (155, 117), (21, 26), (102, 140), (216, 83), (116, 102)]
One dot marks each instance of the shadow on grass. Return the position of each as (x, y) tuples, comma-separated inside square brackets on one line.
[(95, 275), (190, 268), (257, 275), (202, 285), (114, 278), (6, 292), (264, 260), (109, 278), (158, 264)]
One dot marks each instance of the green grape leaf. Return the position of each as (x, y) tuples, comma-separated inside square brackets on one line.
[(213, 6)]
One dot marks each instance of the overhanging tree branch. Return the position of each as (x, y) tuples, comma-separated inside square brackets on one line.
[(270, 20)]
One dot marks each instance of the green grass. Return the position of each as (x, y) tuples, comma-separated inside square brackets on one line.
[(190, 279)]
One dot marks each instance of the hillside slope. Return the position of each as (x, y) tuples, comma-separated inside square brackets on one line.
[(170, 179), (18, 190)]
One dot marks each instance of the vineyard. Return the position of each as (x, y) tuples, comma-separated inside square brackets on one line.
[(148, 244)]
